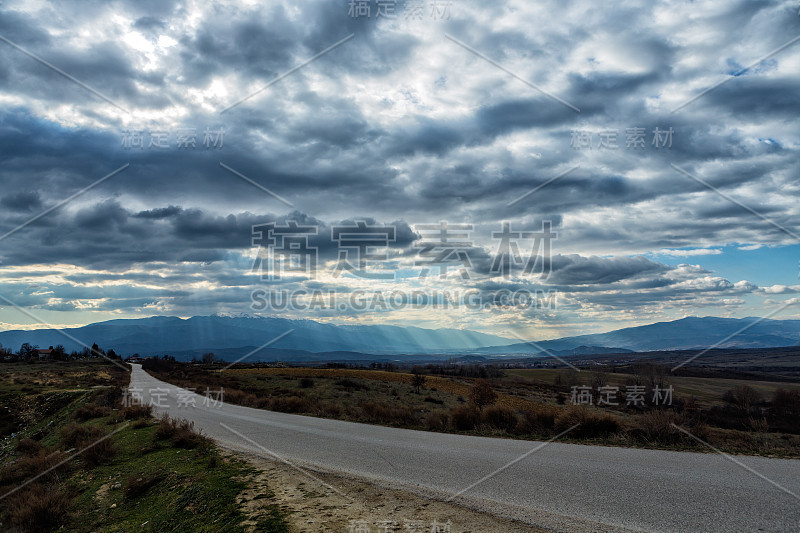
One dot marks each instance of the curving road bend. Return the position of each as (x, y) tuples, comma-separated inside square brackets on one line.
[(566, 487)]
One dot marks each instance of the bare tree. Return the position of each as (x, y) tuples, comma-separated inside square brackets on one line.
[(418, 381), (27, 351), (482, 394)]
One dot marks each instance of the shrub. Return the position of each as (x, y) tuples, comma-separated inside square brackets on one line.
[(97, 448), (657, 427), (701, 430), (99, 452), (240, 397), (431, 399), (437, 420), (140, 423), (31, 465), (758, 425), (785, 411), (137, 412), (592, 425), (383, 413), (536, 421), (743, 397), (89, 411), (350, 384), (786, 402), (499, 417), (109, 397), (465, 417), (213, 461), (290, 404), (29, 447), (79, 435), (327, 409), (166, 427), (180, 432), (38, 508), (283, 391), (482, 394), (137, 485), (307, 383), (417, 380)]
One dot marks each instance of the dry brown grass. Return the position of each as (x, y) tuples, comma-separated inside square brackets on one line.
[(437, 420), (590, 424), (29, 447), (98, 449), (180, 432), (90, 410), (137, 485), (499, 417), (28, 466), (383, 413), (447, 385), (537, 421), (465, 417), (137, 412), (37, 508)]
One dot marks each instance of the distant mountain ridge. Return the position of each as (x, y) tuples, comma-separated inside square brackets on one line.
[(234, 336), (163, 335), (684, 334)]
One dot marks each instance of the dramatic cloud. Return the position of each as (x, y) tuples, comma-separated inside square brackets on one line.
[(213, 121)]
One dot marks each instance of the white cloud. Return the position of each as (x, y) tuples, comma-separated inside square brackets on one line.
[(689, 253)]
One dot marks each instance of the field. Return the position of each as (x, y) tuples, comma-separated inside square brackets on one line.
[(707, 391), (735, 415), (136, 473)]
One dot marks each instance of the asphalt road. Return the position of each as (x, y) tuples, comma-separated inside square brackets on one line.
[(567, 486)]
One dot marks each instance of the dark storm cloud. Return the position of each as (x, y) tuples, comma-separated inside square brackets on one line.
[(586, 283), (574, 273), (22, 201), (107, 235), (245, 43), (149, 23), (397, 124), (104, 66), (577, 270), (751, 94), (439, 136), (160, 212)]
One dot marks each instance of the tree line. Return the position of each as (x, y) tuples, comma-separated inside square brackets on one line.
[(31, 352)]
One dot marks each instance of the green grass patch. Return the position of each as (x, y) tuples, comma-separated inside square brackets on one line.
[(141, 478)]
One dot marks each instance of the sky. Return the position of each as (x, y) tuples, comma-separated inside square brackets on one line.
[(146, 147)]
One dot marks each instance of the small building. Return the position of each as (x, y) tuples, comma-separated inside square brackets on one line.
[(45, 354)]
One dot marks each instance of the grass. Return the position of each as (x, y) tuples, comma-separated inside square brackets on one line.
[(708, 391), (528, 404), (147, 475)]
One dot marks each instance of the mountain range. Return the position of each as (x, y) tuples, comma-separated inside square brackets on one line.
[(684, 334), (169, 335), (233, 336)]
